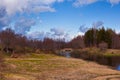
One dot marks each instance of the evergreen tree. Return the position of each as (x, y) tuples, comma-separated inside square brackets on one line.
[(95, 37), (101, 35), (89, 38), (109, 37)]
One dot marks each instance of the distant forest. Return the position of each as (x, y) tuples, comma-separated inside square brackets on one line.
[(11, 42)]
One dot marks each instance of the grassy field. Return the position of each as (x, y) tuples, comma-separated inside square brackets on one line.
[(52, 67)]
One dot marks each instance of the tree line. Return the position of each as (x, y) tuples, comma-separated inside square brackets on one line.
[(11, 42), (93, 37)]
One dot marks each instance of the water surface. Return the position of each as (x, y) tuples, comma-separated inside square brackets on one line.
[(118, 67)]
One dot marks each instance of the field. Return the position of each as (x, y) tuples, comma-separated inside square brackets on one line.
[(52, 67)]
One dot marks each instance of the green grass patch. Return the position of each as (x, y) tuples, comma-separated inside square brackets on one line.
[(42, 56), (111, 55)]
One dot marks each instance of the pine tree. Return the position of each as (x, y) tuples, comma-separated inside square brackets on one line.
[(89, 38), (95, 37)]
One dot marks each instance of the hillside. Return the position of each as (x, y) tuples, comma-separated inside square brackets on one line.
[(51, 67)]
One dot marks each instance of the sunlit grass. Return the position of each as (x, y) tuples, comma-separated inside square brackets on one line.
[(51, 67)]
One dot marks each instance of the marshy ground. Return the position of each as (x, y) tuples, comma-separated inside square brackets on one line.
[(51, 67)]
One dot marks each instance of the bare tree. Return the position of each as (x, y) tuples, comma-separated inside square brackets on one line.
[(77, 42), (7, 39)]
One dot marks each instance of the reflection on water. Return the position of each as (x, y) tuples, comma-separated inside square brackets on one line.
[(118, 67), (66, 54)]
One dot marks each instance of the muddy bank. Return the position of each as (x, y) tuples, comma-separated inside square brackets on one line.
[(113, 61)]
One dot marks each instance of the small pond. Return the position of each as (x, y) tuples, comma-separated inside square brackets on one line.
[(66, 54), (118, 67)]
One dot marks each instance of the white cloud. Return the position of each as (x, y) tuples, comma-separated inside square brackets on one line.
[(4, 20), (13, 6), (78, 3), (9, 8), (114, 1), (83, 28), (83, 2), (54, 34), (97, 24), (36, 35), (38, 9), (57, 32), (23, 25)]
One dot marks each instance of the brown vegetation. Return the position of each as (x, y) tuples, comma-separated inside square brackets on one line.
[(2, 66), (51, 67), (10, 42), (103, 46), (107, 57)]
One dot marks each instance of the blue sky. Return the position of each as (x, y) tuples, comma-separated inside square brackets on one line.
[(58, 18)]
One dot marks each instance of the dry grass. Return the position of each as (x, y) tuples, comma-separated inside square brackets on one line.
[(51, 67)]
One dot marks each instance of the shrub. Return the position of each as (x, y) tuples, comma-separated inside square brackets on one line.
[(103, 46), (38, 51), (1, 61), (2, 65)]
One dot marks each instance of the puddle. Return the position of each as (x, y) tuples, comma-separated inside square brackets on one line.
[(118, 67)]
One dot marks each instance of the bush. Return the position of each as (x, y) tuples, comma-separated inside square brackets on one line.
[(38, 51), (1, 61), (2, 65), (76, 54), (103, 46)]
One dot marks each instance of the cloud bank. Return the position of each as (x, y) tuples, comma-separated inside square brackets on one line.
[(4, 20), (36, 6), (11, 8), (23, 25), (83, 2), (21, 6), (54, 33), (57, 31), (78, 3), (114, 1), (36, 35)]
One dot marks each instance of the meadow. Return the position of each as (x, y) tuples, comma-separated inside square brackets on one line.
[(52, 67)]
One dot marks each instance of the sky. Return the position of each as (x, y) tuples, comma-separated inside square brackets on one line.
[(58, 18)]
